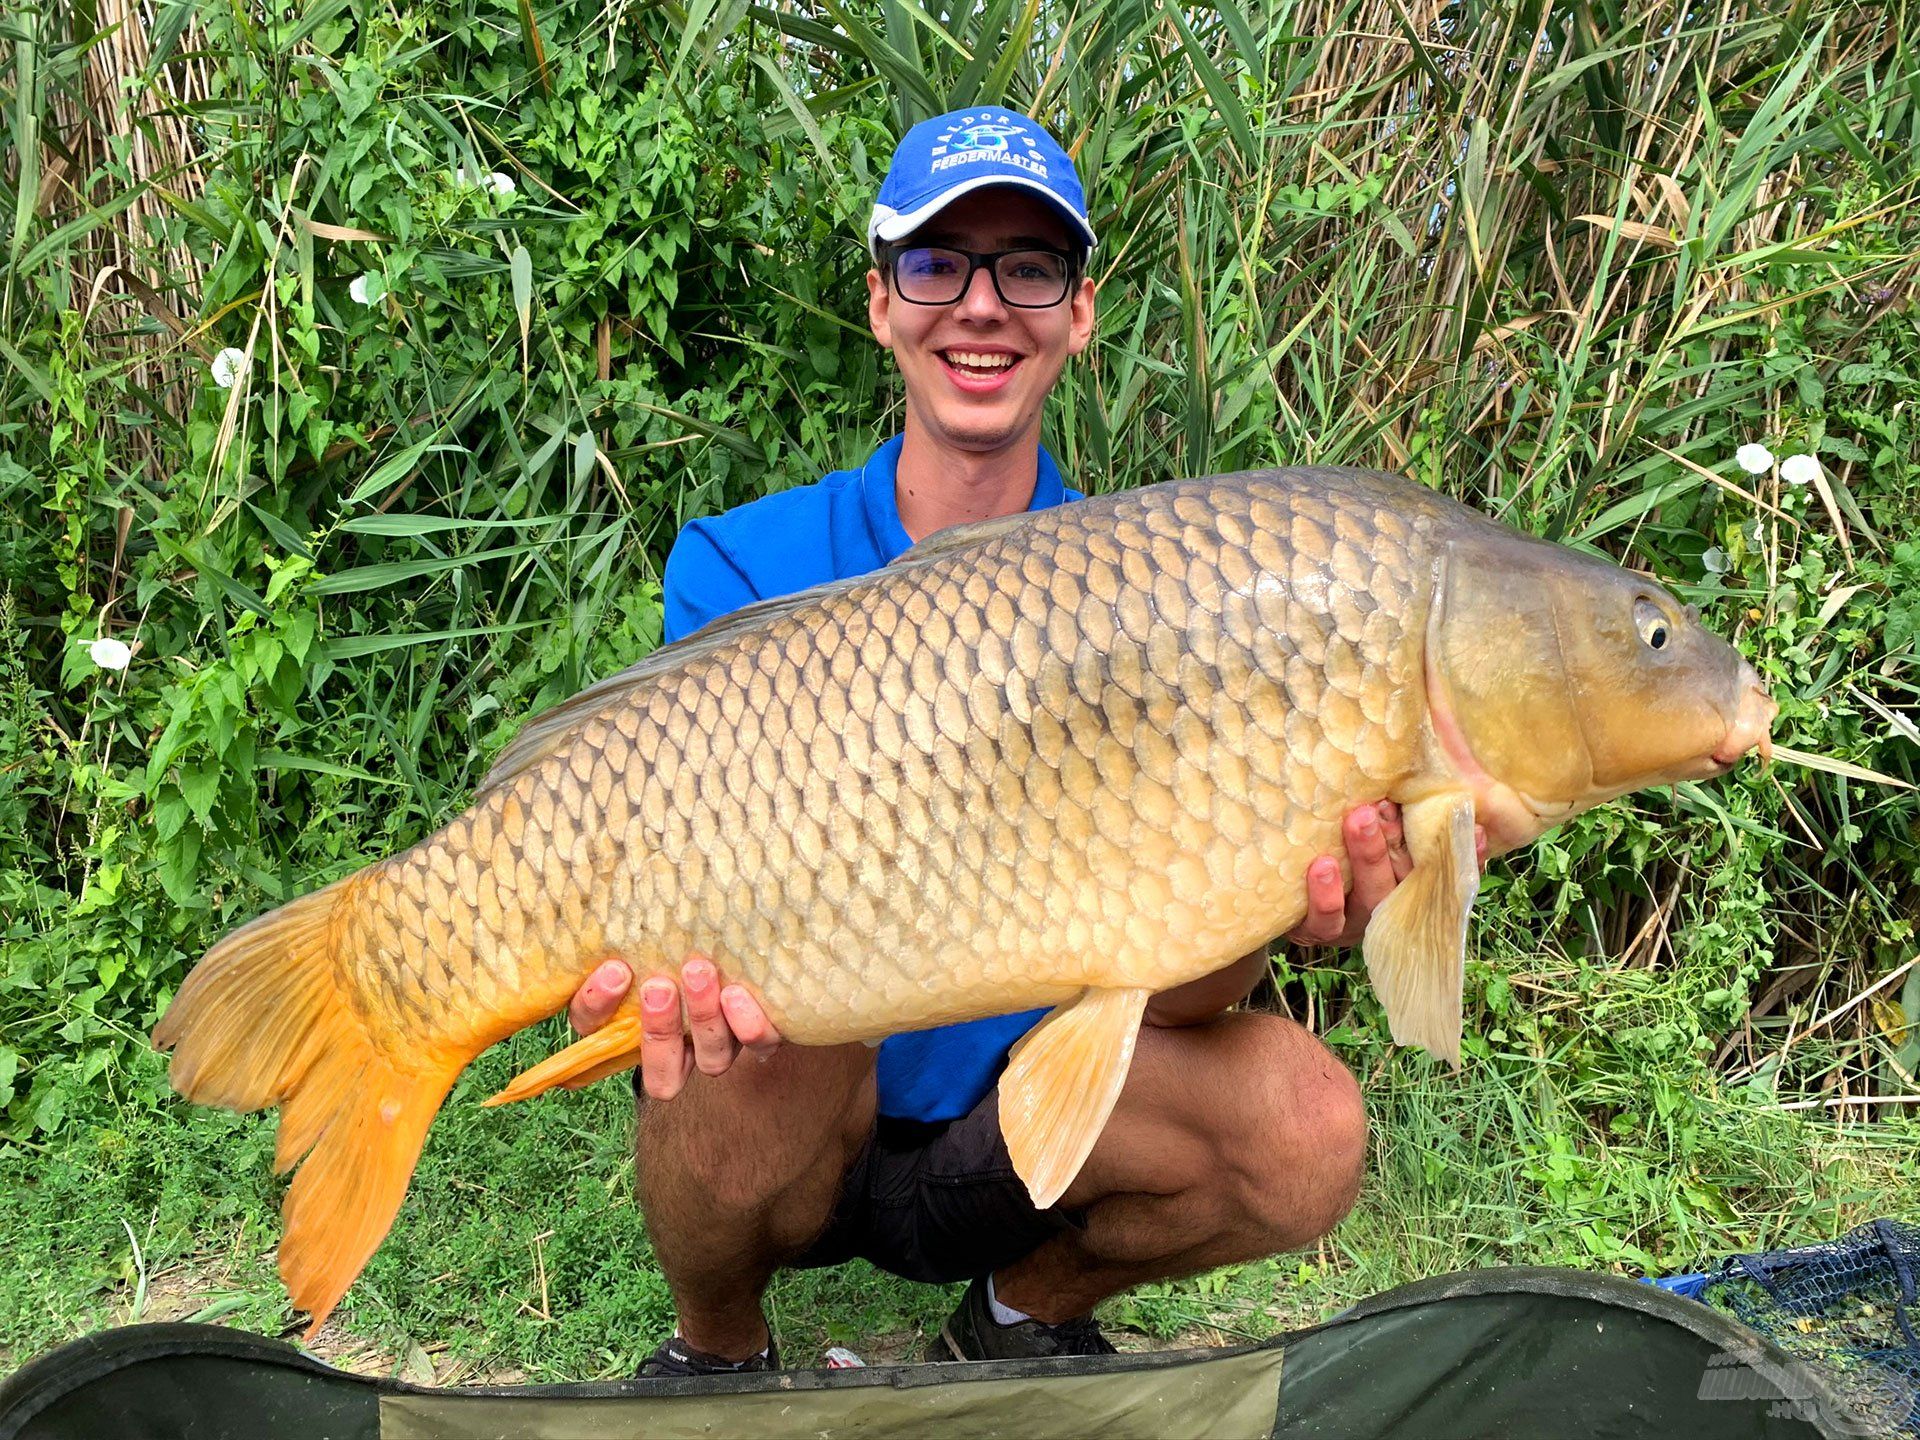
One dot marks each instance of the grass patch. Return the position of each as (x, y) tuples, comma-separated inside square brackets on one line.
[(519, 1255)]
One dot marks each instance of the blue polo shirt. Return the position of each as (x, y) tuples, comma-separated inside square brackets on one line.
[(847, 524)]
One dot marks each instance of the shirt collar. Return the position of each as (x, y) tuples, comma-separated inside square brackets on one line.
[(878, 486)]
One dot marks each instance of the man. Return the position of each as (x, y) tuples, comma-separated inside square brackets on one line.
[(1236, 1135)]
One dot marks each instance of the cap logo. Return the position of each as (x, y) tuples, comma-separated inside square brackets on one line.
[(985, 137)]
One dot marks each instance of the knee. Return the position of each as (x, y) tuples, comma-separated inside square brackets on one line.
[(758, 1137), (1302, 1148)]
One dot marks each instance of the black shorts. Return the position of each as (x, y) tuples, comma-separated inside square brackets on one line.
[(936, 1202)]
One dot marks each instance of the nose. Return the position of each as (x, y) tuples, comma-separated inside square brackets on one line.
[(982, 301)]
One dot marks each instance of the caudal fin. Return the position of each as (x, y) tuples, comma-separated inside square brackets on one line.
[(262, 1020)]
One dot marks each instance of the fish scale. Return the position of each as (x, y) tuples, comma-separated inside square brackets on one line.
[(1150, 715), (1074, 757)]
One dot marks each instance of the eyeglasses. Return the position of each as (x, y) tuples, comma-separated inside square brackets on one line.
[(940, 275)]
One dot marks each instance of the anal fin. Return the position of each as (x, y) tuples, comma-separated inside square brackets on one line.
[(1061, 1083), (1416, 942), (612, 1048)]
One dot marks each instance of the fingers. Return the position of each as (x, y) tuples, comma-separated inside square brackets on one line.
[(713, 1044), (1326, 914), (1396, 838), (748, 1021), (665, 1060), (719, 1020), (1370, 850), (594, 1002)]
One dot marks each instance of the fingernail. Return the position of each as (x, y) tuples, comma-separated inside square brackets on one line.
[(697, 978), (1369, 822), (656, 996)]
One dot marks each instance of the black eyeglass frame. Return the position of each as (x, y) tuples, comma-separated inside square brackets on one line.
[(978, 260)]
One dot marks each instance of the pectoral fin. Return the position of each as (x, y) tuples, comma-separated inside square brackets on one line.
[(612, 1048), (1416, 942), (1061, 1083)]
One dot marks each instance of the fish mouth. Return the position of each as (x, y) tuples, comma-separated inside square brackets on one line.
[(1752, 725)]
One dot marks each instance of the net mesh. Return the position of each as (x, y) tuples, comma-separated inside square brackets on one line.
[(1848, 1306)]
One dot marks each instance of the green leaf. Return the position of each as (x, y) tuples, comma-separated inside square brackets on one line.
[(351, 647), (437, 524), (405, 572), (520, 264), (390, 472), (200, 787), (1225, 101), (284, 760), (284, 534)]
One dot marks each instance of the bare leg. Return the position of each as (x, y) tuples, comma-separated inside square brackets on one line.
[(1232, 1140), (738, 1175)]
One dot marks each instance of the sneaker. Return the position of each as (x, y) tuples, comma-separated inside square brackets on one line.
[(676, 1357), (971, 1333)]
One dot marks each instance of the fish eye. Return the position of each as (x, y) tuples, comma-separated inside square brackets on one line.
[(1651, 621)]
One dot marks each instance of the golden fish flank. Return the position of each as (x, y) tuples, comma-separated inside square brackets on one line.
[(1073, 757)]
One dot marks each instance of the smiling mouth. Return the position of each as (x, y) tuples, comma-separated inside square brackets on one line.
[(979, 364)]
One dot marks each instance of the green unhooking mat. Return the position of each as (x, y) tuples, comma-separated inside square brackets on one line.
[(1485, 1353)]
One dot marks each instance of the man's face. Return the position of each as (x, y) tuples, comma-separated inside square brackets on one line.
[(978, 371)]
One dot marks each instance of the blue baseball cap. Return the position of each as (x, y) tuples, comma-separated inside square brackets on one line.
[(941, 159)]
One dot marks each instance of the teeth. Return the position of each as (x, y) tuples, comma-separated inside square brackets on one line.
[(979, 362)]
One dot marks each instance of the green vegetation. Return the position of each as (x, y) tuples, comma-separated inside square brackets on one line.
[(516, 288)]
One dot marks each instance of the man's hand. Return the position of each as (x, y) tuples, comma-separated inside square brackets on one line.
[(722, 1020), (1377, 849)]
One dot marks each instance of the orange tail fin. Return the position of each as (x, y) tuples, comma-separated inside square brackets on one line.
[(261, 1020)]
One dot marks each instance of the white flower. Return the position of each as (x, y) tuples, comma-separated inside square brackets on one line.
[(499, 182), (227, 367), (1799, 469), (109, 654), (358, 290), (1754, 458)]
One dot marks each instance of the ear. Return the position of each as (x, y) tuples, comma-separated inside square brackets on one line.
[(1080, 318), (878, 299)]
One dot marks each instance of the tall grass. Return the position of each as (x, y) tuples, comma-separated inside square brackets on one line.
[(1560, 260)]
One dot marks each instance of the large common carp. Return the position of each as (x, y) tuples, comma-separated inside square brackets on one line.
[(1071, 758)]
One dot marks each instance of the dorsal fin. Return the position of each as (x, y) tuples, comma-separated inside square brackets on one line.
[(958, 537), (552, 730)]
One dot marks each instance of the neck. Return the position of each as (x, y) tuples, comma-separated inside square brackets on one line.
[(937, 486)]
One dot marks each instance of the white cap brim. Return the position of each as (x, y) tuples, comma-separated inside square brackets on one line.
[(888, 224)]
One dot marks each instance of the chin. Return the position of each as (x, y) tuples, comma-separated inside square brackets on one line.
[(982, 440), (972, 432)]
